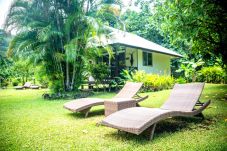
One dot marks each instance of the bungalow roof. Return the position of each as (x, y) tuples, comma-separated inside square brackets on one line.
[(131, 40)]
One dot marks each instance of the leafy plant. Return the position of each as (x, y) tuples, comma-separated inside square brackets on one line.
[(100, 72), (126, 75), (153, 82), (56, 86), (5, 63), (15, 82), (198, 25), (189, 69), (54, 33), (214, 74), (139, 76), (181, 80)]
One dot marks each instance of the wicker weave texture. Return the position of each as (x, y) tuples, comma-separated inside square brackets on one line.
[(137, 119), (81, 104), (126, 93), (117, 104), (183, 97), (129, 90)]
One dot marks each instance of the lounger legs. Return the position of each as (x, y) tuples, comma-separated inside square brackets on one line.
[(86, 111), (200, 115), (150, 131)]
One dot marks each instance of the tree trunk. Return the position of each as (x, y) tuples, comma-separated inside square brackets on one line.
[(67, 77), (73, 76), (23, 80)]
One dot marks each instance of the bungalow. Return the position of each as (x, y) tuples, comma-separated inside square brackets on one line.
[(134, 52)]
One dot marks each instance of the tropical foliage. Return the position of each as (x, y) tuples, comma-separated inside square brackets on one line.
[(151, 82), (5, 63), (54, 33), (140, 24), (214, 74), (100, 72), (54, 36), (23, 71), (109, 13), (189, 69), (196, 29), (199, 26)]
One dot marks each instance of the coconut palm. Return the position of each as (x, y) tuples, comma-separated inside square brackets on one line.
[(54, 33)]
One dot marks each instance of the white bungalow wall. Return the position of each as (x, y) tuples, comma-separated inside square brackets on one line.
[(161, 62), (128, 53)]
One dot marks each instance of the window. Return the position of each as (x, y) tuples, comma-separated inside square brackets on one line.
[(147, 59)]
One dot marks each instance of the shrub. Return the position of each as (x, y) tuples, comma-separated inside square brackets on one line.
[(120, 80), (189, 69), (181, 80), (4, 83), (41, 77), (100, 72), (15, 82), (139, 76), (57, 86), (214, 74), (153, 82)]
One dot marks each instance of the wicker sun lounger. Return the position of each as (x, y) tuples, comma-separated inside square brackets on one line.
[(84, 105), (26, 85), (181, 102)]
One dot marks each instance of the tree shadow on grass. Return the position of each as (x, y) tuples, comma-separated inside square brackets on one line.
[(168, 126), (91, 114)]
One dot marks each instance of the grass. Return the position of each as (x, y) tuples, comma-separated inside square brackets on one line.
[(27, 122)]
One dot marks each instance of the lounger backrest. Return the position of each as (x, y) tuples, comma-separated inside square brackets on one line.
[(183, 97), (27, 84), (129, 90)]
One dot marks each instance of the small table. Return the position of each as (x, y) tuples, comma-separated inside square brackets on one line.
[(116, 104)]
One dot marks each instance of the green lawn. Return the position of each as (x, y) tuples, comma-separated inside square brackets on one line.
[(27, 122)]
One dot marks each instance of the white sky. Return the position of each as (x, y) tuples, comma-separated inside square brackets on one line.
[(5, 4), (4, 7)]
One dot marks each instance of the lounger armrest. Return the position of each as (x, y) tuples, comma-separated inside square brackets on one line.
[(199, 110), (142, 98)]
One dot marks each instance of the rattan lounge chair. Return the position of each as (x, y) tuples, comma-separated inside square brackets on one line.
[(25, 86), (34, 87), (181, 102), (84, 105)]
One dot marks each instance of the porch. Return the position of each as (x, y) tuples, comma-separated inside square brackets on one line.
[(123, 58)]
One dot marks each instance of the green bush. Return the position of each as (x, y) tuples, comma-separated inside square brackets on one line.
[(100, 72), (153, 82), (15, 82), (4, 83), (57, 86), (181, 80), (214, 74), (41, 77)]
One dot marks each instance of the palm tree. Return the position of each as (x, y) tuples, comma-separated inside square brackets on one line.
[(55, 33), (5, 63)]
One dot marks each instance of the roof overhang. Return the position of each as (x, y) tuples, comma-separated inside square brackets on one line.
[(119, 37)]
